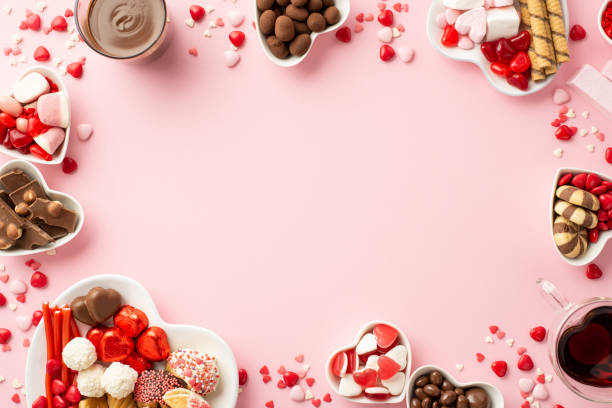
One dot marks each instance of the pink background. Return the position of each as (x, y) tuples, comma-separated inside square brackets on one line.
[(284, 208)]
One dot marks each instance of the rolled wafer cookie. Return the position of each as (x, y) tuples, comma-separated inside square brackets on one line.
[(575, 214), (537, 74), (553, 68), (578, 196), (127, 402), (557, 25), (541, 38), (182, 398), (570, 238)]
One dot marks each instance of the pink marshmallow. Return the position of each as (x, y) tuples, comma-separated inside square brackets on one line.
[(54, 110), (22, 125), (441, 21), (10, 106), (593, 85), (607, 70), (51, 139), (451, 15)]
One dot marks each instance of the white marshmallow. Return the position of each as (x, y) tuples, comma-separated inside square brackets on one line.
[(30, 87), (498, 3), (592, 84), (395, 384), (54, 110), (367, 344), (502, 22), (463, 4), (399, 354), (473, 23), (348, 387), (51, 139)]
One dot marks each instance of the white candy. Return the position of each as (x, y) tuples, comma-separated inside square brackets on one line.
[(367, 344), (308, 395), (372, 362), (510, 342), (590, 148), (297, 393), (30, 87), (540, 392), (463, 4), (385, 34), (498, 3), (189, 22), (459, 367), (526, 384), (594, 130), (399, 354), (583, 132), (502, 22), (473, 23), (586, 114), (489, 339), (558, 152), (395, 384), (348, 387)]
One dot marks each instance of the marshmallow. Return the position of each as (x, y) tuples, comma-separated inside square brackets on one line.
[(9, 105), (30, 87), (498, 3), (21, 124), (367, 344), (607, 70), (51, 139), (502, 22), (399, 354), (593, 85), (473, 23), (463, 4), (348, 387), (54, 109), (395, 384)]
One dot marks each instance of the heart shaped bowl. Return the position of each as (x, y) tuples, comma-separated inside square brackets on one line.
[(179, 336), (594, 249), (344, 6), (59, 155), (600, 19), (334, 382), (475, 55), (69, 202), (496, 399)]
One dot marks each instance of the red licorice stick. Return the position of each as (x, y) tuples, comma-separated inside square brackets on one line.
[(57, 334), (50, 350), (66, 316), (74, 329)]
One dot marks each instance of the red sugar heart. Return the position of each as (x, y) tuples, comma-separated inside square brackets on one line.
[(359, 17), (316, 402), (480, 357), (500, 368), (327, 397), (525, 363), (264, 370), (4, 278), (538, 333), (270, 404), (493, 329), (281, 384), (21, 298), (310, 381), (281, 370), (33, 22), (59, 23), (193, 51), (541, 378), (68, 13), (75, 69), (525, 404), (266, 379), (500, 334)]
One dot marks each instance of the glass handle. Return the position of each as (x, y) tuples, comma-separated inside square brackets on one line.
[(552, 294)]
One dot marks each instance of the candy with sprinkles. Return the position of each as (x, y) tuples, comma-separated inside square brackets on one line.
[(198, 370)]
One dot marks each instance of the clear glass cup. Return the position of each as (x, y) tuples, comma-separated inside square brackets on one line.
[(570, 315), (152, 49)]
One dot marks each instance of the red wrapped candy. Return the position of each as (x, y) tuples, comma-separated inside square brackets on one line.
[(153, 344), (131, 321)]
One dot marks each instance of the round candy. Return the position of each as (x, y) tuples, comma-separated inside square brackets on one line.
[(152, 385), (198, 370)]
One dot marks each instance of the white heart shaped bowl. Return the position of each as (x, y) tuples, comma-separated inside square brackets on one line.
[(594, 249), (344, 6), (367, 328), (69, 202), (496, 399), (600, 18), (59, 155), (179, 336), (475, 55)]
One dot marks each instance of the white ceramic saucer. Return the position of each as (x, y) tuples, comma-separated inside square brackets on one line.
[(59, 155), (69, 202), (179, 336), (475, 55)]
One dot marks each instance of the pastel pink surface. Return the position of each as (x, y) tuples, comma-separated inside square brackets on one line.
[(299, 231)]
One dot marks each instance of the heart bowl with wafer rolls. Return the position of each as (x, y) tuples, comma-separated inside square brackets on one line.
[(580, 214)]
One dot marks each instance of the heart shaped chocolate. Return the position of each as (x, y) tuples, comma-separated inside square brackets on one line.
[(102, 303), (80, 312)]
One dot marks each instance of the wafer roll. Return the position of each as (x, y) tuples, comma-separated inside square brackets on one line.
[(575, 214), (537, 74), (557, 25), (578, 196), (541, 38), (570, 238), (553, 68), (127, 402)]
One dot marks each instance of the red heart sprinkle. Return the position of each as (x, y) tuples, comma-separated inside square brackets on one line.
[(21, 298), (359, 17), (2, 300), (237, 38), (266, 379), (270, 404), (593, 271), (15, 398), (525, 363), (68, 13), (327, 397), (480, 357), (525, 404), (193, 51), (397, 7), (344, 34), (500, 368), (541, 378), (59, 23), (538, 333), (281, 384), (500, 334), (264, 370), (41, 54), (310, 381), (316, 402), (521, 350), (197, 12), (33, 22), (493, 329), (75, 69)]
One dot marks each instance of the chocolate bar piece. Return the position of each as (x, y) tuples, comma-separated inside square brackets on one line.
[(5, 197), (53, 213), (28, 193), (14, 179), (55, 232), (11, 226), (33, 236)]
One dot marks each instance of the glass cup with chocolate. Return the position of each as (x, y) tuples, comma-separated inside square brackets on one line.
[(123, 29)]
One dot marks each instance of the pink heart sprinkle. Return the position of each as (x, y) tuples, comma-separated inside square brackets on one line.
[(7, 51), (369, 17), (6, 348), (47, 30), (381, 6), (4, 278), (299, 358), (219, 22), (281, 370), (26, 343), (600, 136), (358, 28), (521, 350), (500, 334)]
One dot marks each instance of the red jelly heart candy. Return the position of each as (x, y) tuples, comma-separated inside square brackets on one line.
[(53, 368), (58, 387), (69, 165), (75, 69), (19, 139), (450, 36), (197, 12), (339, 365), (36, 127), (137, 362), (131, 321), (593, 271), (237, 38), (579, 180), (344, 34), (115, 345), (72, 394), (153, 344), (606, 201), (500, 69), (577, 32), (41, 54), (520, 62), (386, 17), (385, 335), (518, 81), (33, 22), (387, 368), (59, 23), (36, 317), (592, 181), (386, 52), (593, 235), (500, 368), (504, 50), (538, 333), (95, 335), (488, 50), (290, 378), (242, 376), (599, 190), (521, 41), (5, 335), (7, 120), (40, 402), (563, 133), (525, 363), (608, 154), (565, 179), (366, 378)]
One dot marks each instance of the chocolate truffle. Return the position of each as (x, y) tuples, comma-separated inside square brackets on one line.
[(284, 29), (265, 4), (277, 47), (299, 3), (296, 13), (266, 22), (328, 3), (283, 3), (332, 15), (477, 398), (300, 45), (316, 22), (314, 5), (301, 27)]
